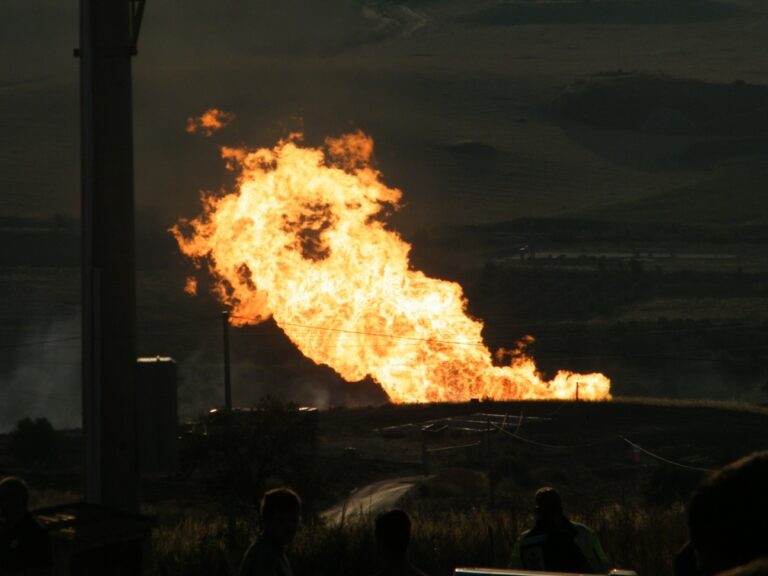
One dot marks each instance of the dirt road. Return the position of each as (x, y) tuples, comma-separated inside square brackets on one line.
[(369, 500)]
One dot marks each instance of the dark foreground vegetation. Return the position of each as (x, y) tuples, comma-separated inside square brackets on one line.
[(195, 544), (473, 482), (472, 503)]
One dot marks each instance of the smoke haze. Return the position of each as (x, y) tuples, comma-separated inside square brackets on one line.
[(43, 376)]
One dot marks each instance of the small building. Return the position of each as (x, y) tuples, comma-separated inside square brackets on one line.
[(157, 419)]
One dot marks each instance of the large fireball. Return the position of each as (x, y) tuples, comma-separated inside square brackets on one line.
[(302, 240)]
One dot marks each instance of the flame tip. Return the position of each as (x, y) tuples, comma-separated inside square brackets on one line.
[(210, 121)]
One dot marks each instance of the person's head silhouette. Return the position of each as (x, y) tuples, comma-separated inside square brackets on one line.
[(280, 510), (726, 515), (14, 499), (393, 534), (548, 506)]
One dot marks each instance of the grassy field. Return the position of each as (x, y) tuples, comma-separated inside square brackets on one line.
[(194, 545), (610, 135), (733, 196), (580, 441), (472, 502), (635, 502)]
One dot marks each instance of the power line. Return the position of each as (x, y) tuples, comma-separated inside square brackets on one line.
[(666, 356), (374, 334), (444, 448), (662, 459), (545, 444), (32, 393), (605, 441), (38, 343)]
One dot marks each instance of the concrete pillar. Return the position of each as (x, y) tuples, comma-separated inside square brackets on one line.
[(108, 255)]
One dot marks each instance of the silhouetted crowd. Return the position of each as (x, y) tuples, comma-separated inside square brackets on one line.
[(727, 521)]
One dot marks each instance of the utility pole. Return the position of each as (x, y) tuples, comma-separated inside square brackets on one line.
[(229, 431), (108, 34), (489, 462), (227, 382)]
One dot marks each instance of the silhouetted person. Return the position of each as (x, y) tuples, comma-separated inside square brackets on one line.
[(25, 546), (280, 511), (755, 568), (555, 543), (393, 534), (728, 516)]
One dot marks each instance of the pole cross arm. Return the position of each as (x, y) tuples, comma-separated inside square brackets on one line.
[(136, 12)]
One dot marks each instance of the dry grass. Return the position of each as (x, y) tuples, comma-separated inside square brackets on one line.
[(643, 539)]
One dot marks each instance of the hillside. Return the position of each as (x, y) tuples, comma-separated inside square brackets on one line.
[(577, 446)]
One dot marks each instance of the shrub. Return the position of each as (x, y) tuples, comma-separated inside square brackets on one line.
[(33, 442)]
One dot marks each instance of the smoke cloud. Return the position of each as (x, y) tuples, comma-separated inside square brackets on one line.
[(44, 376)]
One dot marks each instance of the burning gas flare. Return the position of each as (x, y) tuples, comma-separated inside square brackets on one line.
[(190, 286), (208, 122), (302, 240)]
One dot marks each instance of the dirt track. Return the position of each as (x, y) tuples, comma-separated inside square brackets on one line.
[(369, 500)]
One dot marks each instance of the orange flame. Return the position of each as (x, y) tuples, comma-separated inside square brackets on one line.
[(190, 286), (208, 122), (302, 240)]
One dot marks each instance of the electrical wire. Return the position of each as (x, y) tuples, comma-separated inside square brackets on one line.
[(662, 459), (445, 448), (375, 334), (38, 343), (33, 394), (605, 441), (547, 445)]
